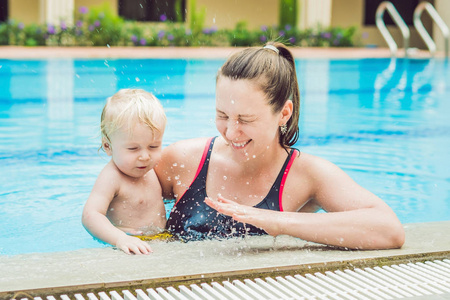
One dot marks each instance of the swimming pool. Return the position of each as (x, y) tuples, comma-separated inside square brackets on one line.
[(383, 121)]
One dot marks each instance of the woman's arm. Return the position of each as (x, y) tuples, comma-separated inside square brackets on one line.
[(356, 218)]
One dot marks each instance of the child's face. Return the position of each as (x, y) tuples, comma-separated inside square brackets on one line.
[(137, 151)]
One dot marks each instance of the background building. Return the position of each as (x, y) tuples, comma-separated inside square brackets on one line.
[(255, 13)]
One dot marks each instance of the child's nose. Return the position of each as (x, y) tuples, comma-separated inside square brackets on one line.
[(144, 156)]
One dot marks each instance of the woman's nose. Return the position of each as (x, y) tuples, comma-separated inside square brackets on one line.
[(233, 130)]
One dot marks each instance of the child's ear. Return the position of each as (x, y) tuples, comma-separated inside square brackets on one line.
[(107, 147)]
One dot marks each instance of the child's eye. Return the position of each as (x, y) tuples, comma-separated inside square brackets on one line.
[(132, 148), (154, 147), (223, 117)]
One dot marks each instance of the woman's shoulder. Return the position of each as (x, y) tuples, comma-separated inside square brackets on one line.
[(311, 165), (186, 148)]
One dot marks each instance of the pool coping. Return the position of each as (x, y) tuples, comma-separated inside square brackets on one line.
[(176, 263), (43, 52)]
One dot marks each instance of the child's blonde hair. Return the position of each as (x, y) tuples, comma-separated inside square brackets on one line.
[(128, 107)]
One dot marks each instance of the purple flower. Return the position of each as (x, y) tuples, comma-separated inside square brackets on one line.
[(78, 32), (163, 18), (161, 34), (63, 26), (281, 33), (170, 37), (97, 23), (83, 10), (263, 28), (206, 31), (288, 27), (134, 38), (213, 29), (51, 29), (326, 35), (292, 40), (143, 42), (91, 28), (79, 23), (20, 26), (263, 38)]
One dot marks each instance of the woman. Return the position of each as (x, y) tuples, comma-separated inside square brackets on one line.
[(250, 181)]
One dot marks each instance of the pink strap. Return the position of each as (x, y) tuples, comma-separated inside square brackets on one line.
[(202, 161), (283, 180)]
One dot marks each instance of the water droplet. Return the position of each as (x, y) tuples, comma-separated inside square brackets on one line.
[(254, 156), (137, 79), (224, 177), (107, 45), (222, 187), (175, 164), (247, 182), (177, 177)]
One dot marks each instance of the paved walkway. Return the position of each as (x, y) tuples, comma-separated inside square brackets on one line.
[(15, 52)]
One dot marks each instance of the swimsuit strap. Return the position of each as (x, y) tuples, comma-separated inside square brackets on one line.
[(202, 169), (287, 167)]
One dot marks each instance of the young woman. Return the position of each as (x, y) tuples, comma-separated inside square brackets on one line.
[(250, 180)]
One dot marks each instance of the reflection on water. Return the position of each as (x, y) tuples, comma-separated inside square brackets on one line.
[(384, 121)]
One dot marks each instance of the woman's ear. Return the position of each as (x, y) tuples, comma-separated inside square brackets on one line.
[(286, 112)]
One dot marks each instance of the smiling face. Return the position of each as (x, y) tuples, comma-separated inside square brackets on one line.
[(245, 119), (135, 151)]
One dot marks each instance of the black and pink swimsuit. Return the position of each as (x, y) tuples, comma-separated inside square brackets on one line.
[(192, 219)]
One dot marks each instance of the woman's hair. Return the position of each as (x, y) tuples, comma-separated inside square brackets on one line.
[(272, 68), (128, 107)]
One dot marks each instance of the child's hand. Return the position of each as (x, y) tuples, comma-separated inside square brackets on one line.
[(131, 244)]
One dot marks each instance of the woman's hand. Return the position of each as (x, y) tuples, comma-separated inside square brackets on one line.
[(261, 218), (130, 244)]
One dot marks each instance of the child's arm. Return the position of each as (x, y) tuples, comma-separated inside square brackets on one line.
[(97, 224)]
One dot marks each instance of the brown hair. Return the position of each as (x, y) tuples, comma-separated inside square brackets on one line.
[(275, 75)]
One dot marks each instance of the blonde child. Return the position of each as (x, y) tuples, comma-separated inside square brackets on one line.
[(126, 198)]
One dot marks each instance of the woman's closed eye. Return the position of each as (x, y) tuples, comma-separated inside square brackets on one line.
[(222, 117)]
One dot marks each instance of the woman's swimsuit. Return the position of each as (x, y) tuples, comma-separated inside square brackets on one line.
[(192, 219)]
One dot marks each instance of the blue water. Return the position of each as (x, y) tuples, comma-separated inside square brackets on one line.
[(385, 122)]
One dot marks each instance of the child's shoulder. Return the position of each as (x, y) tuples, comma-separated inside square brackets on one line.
[(110, 173)]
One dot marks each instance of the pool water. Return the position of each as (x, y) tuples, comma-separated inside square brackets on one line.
[(384, 121)]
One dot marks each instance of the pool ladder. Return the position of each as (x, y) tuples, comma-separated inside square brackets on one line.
[(387, 5)]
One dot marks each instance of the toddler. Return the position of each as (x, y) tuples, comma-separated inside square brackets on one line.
[(126, 199)]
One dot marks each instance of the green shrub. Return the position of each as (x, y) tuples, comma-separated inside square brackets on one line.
[(34, 35), (99, 26), (4, 34)]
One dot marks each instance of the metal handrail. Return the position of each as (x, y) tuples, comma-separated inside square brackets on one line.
[(386, 5), (423, 32)]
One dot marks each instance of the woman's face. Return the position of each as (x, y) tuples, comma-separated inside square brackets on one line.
[(245, 119)]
